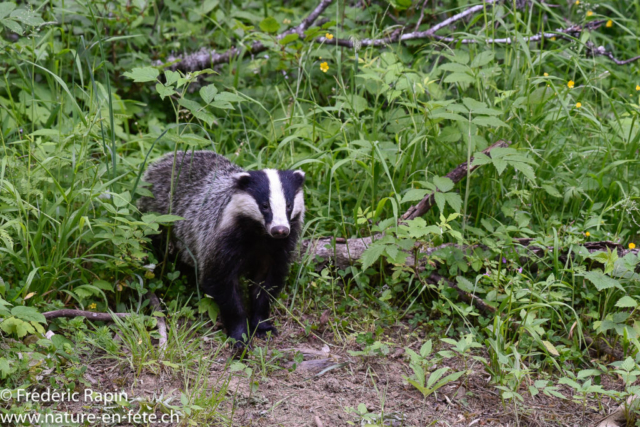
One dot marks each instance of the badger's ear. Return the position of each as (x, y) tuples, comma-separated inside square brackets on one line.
[(299, 177), (242, 179)]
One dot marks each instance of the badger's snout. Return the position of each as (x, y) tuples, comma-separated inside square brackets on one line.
[(279, 231)]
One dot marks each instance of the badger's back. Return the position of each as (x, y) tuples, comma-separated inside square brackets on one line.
[(192, 172), (202, 187)]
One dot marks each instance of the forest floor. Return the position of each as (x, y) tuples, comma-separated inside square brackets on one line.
[(332, 387)]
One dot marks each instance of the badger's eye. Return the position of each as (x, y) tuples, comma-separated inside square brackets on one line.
[(288, 206), (265, 206)]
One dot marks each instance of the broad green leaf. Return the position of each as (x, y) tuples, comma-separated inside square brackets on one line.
[(480, 159), (228, 97), (143, 74), (464, 284), (459, 78), (473, 105), (16, 326), (164, 91), (11, 25), (6, 8), (489, 121), (207, 93), (443, 183), (29, 314), (626, 301), (414, 195), (269, 25), (483, 58), (371, 255), (449, 116), (426, 349), (500, 165), (5, 368), (600, 281), (171, 77), (551, 190), (103, 284), (454, 200), (27, 17), (289, 38), (456, 68)]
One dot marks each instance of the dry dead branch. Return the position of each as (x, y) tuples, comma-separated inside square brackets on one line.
[(206, 58)]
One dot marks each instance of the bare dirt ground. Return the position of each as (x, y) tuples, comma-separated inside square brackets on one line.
[(319, 391)]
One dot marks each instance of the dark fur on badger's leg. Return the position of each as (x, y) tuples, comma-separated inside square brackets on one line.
[(262, 295), (223, 287)]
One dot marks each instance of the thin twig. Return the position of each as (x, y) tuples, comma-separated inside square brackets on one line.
[(421, 15)]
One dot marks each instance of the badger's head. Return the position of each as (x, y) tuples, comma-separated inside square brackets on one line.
[(273, 198)]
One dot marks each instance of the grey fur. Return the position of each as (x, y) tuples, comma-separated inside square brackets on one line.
[(202, 191)]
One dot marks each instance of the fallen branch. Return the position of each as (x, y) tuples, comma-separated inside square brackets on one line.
[(456, 176), (209, 58), (108, 317), (345, 252), (101, 317)]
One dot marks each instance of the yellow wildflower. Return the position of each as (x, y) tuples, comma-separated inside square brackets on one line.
[(577, 2), (553, 38), (637, 87), (92, 306), (546, 74), (571, 84), (578, 104), (589, 13), (587, 234), (632, 245), (324, 67), (286, 21), (609, 23), (328, 36)]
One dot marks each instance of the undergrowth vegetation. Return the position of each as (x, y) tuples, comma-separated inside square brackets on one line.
[(89, 96)]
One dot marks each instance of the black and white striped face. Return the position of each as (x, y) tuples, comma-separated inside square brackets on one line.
[(272, 197)]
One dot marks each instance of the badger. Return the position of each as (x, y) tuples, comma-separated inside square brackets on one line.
[(236, 224)]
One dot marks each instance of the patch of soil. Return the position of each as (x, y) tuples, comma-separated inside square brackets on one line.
[(329, 380)]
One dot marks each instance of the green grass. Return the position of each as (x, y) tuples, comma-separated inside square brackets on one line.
[(83, 110)]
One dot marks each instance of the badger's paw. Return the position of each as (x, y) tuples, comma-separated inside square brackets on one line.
[(263, 328), (239, 339)]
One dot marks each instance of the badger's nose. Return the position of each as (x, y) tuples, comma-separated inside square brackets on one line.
[(279, 231)]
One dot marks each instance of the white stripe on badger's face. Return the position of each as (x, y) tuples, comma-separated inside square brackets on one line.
[(277, 201), (240, 204)]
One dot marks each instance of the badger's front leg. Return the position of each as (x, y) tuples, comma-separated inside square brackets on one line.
[(223, 286), (262, 294)]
